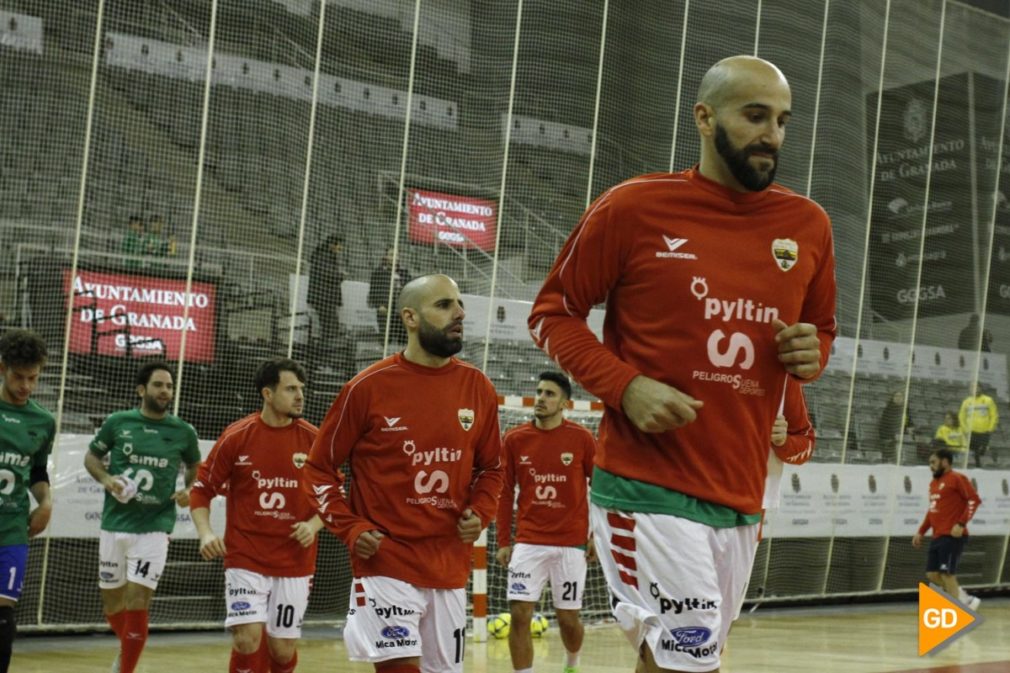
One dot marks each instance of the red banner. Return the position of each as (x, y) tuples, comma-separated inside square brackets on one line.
[(447, 219), (145, 312)]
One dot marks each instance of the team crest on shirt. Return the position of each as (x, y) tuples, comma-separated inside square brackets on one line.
[(785, 251), (465, 417), (299, 459), (566, 458)]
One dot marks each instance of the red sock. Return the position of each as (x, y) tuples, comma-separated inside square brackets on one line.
[(134, 638), (399, 668), (245, 663), (116, 622), (278, 667)]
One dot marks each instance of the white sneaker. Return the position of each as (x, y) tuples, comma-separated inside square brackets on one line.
[(115, 664), (974, 602)]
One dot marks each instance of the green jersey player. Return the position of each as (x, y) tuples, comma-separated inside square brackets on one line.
[(26, 438), (146, 448)]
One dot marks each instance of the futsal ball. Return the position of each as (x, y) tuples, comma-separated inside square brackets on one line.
[(500, 625), (538, 625)]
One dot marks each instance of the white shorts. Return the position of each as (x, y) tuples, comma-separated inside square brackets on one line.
[(533, 564), (278, 602), (390, 619), (676, 584), (131, 557)]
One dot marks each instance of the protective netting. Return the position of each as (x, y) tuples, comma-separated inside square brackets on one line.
[(467, 138)]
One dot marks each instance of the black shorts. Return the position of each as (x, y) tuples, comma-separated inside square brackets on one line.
[(944, 553)]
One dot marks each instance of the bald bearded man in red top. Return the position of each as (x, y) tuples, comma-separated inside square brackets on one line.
[(419, 432), (269, 545), (719, 284), (550, 461)]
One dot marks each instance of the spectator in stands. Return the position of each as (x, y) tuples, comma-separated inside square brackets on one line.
[(949, 435), (156, 242), (968, 340), (132, 245), (894, 420), (979, 418), (325, 294), (379, 298)]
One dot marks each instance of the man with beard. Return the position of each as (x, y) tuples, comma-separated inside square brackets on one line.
[(550, 461), (419, 431), (952, 503), (145, 448), (719, 286), (269, 545), (27, 431)]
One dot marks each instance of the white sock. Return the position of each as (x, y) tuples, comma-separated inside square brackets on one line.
[(523, 670), (962, 595), (571, 659)]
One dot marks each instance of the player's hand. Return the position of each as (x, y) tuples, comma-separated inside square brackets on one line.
[(503, 555), (799, 348), (181, 497), (211, 547), (917, 540), (39, 519), (957, 530), (590, 550), (654, 406), (304, 533), (780, 430), (113, 485), (469, 526), (368, 543)]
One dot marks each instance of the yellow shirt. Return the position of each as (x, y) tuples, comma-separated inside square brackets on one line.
[(952, 437)]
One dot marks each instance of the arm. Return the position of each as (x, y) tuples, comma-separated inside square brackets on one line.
[(39, 517), (93, 464), (962, 416), (212, 478), (588, 268), (993, 415), (923, 529), (181, 496), (797, 446), (489, 470), (971, 504), (323, 481), (506, 505)]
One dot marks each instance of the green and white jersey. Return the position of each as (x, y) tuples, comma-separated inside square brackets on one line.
[(150, 452), (26, 438)]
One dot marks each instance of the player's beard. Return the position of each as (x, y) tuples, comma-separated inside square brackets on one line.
[(437, 341), (738, 161), (155, 406), (939, 473)]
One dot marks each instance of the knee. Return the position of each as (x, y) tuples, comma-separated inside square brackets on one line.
[(282, 650), (246, 637), (568, 621), (522, 614)]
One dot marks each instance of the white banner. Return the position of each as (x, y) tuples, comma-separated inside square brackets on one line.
[(21, 32), (78, 498), (824, 500)]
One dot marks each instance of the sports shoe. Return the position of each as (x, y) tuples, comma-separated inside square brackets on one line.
[(974, 602), (115, 664), (571, 669)]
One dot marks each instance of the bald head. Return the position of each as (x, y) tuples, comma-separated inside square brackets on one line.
[(422, 289), (735, 75)]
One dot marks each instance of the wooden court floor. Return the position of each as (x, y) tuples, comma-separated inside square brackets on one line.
[(874, 639)]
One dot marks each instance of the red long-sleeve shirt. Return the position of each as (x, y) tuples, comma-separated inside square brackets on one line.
[(259, 469), (423, 445), (692, 274), (552, 469), (952, 500)]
